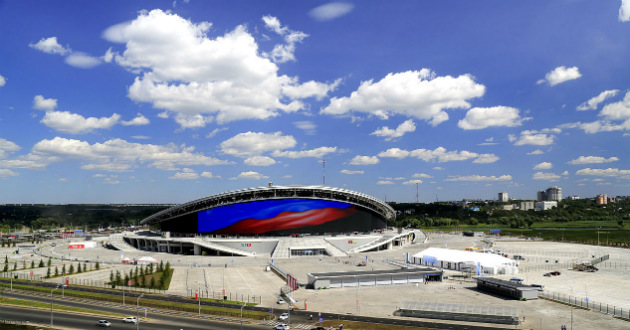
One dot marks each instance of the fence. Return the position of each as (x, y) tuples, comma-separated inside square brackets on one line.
[(587, 303)]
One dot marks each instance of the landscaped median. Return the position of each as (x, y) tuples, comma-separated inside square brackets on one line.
[(146, 301)]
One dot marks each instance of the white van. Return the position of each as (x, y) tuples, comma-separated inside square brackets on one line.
[(517, 280)]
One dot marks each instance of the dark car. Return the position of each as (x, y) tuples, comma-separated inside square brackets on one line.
[(318, 328), (555, 273)]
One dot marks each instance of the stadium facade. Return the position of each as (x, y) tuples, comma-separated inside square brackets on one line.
[(276, 210), (275, 221)]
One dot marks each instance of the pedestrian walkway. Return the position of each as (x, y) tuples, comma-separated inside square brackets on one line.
[(293, 326)]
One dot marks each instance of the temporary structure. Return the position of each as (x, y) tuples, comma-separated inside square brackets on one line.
[(480, 263)]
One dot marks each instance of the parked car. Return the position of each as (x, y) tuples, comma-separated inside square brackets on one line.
[(281, 327), (103, 323), (130, 319), (539, 286), (318, 328), (555, 273), (283, 317), (518, 257), (280, 301)]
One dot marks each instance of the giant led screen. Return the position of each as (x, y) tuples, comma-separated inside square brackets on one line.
[(278, 216)]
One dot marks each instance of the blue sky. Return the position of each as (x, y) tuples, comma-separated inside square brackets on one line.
[(168, 101)]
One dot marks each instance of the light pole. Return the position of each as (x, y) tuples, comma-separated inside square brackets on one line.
[(51, 307), (137, 319), (199, 297), (571, 307)]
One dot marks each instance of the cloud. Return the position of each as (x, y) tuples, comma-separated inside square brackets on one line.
[(611, 114), (394, 153), (307, 126), (440, 154), (3, 81), (536, 152), (138, 121), (215, 131), (412, 182), (592, 160), (315, 153), (5, 173), (209, 175), (480, 118), (40, 103), (617, 110), (226, 78), (350, 172), (6, 147), (82, 60), (251, 144), (259, 161), (309, 89), (421, 175), (545, 176), (609, 172), (364, 160), (330, 11), (115, 155), (283, 53), (418, 94), (50, 46), (595, 101), (624, 11), (251, 175), (543, 166), (533, 137), (560, 75), (389, 134), (185, 174), (64, 121), (478, 178), (383, 182)]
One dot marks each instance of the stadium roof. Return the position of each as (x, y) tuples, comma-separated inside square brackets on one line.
[(275, 192)]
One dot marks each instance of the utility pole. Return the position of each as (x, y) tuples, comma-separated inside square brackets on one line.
[(323, 172)]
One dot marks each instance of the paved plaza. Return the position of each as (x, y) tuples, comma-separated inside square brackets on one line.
[(249, 278)]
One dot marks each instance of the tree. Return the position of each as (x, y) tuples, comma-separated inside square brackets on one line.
[(71, 269), (111, 276), (63, 269), (152, 282), (97, 266), (49, 261), (41, 263), (48, 273), (6, 268), (78, 268), (56, 271), (15, 265), (143, 281), (6, 257)]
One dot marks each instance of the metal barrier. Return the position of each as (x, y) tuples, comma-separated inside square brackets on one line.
[(587, 303)]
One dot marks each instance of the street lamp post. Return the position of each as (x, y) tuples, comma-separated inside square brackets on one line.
[(51, 305), (137, 319)]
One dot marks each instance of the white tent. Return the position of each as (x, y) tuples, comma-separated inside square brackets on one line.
[(465, 261), (146, 261)]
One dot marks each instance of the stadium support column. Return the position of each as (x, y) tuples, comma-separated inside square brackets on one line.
[(197, 249)]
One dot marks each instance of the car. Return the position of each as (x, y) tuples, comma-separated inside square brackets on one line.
[(281, 327), (103, 323), (555, 273), (280, 301), (547, 274), (130, 319), (318, 328), (283, 317), (539, 286)]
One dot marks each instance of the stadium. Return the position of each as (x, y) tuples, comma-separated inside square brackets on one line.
[(316, 220)]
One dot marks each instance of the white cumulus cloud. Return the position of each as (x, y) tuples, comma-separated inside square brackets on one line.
[(82, 60), (364, 160), (185, 174), (384, 182), (251, 144), (251, 175), (592, 160), (480, 118), (543, 166), (440, 154), (138, 121), (405, 127), (478, 178), (41, 103), (609, 172), (350, 172), (181, 69), (534, 137), (561, 74), (624, 11), (259, 161), (420, 94), (7, 147), (283, 52), (64, 121), (545, 176), (50, 46), (592, 103), (3, 81), (412, 182), (330, 11), (314, 153)]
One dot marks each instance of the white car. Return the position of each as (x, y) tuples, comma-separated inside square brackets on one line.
[(281, 327), (103, 323), (284, 316), (130, 319), (280, 301)]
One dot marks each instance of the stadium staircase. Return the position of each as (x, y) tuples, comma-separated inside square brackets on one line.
[(117, 241), (284, 243)]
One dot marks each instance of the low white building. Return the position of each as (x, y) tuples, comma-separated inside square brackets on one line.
[(476, 262), (545, 205)]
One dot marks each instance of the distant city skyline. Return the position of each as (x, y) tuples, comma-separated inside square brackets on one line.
[(170, 101)]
